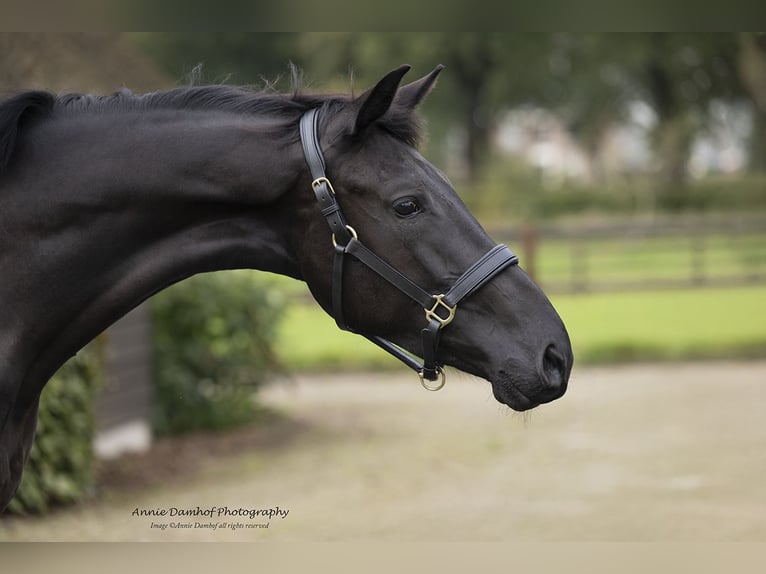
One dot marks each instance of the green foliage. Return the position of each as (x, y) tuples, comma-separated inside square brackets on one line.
[(60, 466), (213, 338), (707, 195), (229, 57), (513, 190)]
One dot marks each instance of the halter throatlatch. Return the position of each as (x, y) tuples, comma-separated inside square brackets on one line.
[(439, 309)]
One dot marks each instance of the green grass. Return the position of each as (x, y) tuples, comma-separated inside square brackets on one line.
[(609, 327), (666, 325), (309, 340)]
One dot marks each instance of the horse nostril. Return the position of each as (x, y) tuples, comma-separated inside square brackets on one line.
[(554, 369)]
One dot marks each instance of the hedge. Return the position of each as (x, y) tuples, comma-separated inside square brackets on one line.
[(60, 466), (213, 346)]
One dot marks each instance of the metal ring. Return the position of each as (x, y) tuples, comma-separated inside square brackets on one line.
[(351, 230), (440, 383)]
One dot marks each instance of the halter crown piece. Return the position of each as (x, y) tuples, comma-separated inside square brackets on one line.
[(439, 309)]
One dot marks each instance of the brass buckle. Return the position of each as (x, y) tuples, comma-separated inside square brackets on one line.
[(432, 314), (439, 383), (319, 181), (351, 230)]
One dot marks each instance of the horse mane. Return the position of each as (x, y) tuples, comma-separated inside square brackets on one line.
[(399, 121), (14, 113)]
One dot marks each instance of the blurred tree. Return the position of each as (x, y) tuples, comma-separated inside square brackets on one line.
[(679, 75), (752, 70), (588, 80), (485, 73), (223, 57), (472, 61), (582, 80), (594, 79)]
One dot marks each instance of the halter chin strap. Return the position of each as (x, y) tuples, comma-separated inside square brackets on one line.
[(439, 309)]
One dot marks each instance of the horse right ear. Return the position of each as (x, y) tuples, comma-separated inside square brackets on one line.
[(412, 94), (376, 101)]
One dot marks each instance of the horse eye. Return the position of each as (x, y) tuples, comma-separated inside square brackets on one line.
[(406, 206)]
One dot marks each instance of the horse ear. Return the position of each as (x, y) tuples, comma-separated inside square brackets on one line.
[(412, 94), (376, 101)]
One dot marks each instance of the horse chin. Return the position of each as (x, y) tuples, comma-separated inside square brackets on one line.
[(523, 392), (507, 393), (520, 392)]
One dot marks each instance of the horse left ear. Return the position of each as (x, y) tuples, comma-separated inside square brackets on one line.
[(375, 102), (411, 95)]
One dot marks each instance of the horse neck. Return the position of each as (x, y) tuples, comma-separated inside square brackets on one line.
[(104, 210)]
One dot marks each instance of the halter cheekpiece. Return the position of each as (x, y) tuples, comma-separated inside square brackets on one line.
[(439, 309)]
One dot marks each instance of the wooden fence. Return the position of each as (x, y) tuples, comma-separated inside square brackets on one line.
[(671, 253)]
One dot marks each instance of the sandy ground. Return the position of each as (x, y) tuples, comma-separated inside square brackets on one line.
[(638, 453)]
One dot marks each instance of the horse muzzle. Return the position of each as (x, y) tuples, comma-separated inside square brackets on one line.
[(523, 388)]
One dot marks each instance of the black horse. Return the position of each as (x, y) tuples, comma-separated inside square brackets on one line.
[(105, 200)]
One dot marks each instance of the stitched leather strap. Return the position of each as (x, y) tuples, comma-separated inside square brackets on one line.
[(322, 187), (311, 150), (484, 270)]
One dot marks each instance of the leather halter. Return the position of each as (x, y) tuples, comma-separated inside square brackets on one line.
[(439, 309)]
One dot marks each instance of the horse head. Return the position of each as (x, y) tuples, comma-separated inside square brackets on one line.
[(406, 213)]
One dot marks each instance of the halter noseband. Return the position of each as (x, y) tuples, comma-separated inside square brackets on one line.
[(439, 309)]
